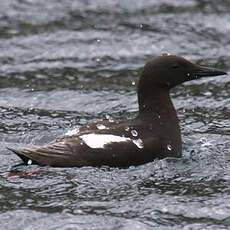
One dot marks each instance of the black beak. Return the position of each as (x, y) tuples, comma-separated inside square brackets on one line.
[(206, 72)]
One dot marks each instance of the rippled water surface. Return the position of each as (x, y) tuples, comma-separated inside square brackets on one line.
[(66, 63)]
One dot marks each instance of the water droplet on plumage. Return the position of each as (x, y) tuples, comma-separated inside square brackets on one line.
[(169, 147), (72, 132), (166, 54), (134, 133), (139, 143), (100, 126), (109, 118), (127, 128)]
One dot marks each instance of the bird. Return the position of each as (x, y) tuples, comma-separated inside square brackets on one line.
[(153, 134)]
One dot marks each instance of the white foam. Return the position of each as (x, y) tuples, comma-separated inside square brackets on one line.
[(100, 140)]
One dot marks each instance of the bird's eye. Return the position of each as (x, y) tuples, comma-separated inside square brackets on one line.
[(175, 66)]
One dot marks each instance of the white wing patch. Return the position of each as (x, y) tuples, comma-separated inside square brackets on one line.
[(100, 140)]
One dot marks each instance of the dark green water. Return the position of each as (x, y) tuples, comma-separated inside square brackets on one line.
[(66, 63)]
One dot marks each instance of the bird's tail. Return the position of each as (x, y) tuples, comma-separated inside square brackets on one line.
[(55, 154), (24, 158)]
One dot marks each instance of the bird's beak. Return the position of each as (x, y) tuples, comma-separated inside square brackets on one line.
[(206, 72)]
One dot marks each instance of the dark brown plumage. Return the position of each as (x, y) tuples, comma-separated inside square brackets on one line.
[(154, 133)]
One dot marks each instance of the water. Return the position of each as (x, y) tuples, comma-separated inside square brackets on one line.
[(60, 61)]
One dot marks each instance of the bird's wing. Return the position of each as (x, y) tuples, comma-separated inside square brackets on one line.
[(119, 148)]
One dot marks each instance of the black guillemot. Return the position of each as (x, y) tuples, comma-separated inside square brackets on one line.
[(153, 134)]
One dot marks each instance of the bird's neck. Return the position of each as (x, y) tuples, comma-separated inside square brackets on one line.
[(156, 108), (156, 103)]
